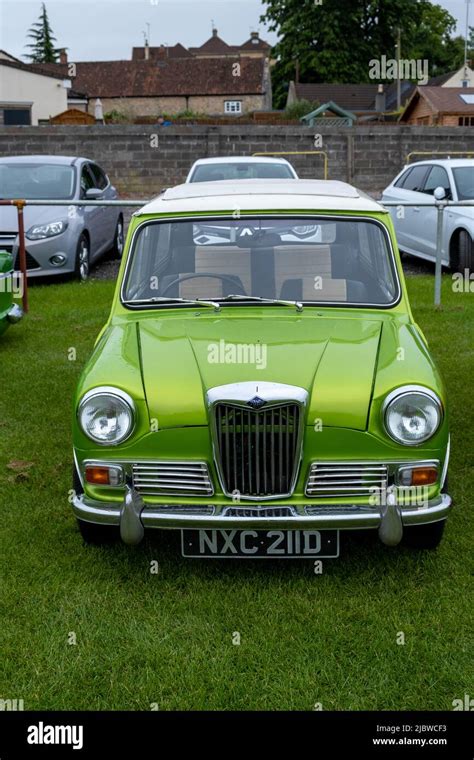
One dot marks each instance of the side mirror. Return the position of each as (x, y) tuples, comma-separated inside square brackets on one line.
[(440, 194), (6, 262), (93, 194)]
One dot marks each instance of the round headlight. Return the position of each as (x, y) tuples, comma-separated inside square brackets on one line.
[(412, 415), (106, 415)]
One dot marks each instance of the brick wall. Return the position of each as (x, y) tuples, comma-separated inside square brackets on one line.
[(369, 157)]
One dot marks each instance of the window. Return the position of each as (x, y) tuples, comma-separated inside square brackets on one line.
[(315, 260), (464, 178), (101, 180), (21, 116), (466, 121), (215, 171), (232, 106), (86, 180), (37, 181), (413, 179), (438, 177)]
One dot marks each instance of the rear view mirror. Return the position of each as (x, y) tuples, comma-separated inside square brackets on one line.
[(93, 194), (440, 194)]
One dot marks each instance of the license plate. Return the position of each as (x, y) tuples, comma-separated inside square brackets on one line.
[(260, 544)]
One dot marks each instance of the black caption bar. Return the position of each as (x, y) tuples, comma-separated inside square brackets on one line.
[(383, 734)]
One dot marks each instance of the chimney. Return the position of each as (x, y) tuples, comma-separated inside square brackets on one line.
[(147, 51), (254, 36), (63, 55), (214, 32), (380, 100)]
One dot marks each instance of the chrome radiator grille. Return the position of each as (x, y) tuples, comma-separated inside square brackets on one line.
[(346, 479), (257, 449), (172, 478)]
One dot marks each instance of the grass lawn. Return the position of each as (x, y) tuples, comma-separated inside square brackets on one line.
[(167, 638)]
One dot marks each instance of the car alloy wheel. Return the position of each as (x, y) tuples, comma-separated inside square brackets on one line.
[(83, 259)]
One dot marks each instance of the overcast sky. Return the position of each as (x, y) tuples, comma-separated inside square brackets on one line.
[(94, 30)]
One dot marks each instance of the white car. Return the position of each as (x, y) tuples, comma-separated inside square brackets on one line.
[(240, 167), (416, 226)]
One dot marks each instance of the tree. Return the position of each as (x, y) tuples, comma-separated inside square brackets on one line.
[(42, 47), (335, 40)]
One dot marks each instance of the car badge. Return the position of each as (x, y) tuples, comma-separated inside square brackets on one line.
[(256, 402)]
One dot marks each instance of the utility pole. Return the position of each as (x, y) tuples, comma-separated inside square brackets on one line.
[(399, 57), (466, 47)]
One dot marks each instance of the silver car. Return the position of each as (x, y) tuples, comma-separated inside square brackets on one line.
[(416, 226), (59, 239)]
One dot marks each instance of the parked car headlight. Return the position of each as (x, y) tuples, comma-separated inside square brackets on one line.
[(41, 231), (412, 414), (106, 415)]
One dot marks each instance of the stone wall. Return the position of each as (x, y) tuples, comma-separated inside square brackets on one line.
[(142, 160)]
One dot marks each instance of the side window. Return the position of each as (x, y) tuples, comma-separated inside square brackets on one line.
[(438, 177), (99, 176), (415, 178), (86, 180), (400, 182)]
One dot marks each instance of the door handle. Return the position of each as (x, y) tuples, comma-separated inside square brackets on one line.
[(416, 209)]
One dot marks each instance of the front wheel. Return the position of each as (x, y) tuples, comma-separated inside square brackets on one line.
[(98, 535), (463, 252), (427, 536), (82, 268)]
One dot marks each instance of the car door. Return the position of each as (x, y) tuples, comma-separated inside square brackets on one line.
[(92, 214), (407, 189), (109, 213), (427, 212)]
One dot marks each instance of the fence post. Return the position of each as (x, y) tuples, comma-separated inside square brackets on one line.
[(439, 251)]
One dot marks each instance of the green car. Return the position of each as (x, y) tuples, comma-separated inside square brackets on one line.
[(10, 312), (261, 384)]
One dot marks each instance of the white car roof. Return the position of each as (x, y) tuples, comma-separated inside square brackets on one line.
[(452, 162), (262, 194), (241, 160)]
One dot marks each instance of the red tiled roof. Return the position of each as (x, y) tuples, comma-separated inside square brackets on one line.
[(255, 43), (178, 76)]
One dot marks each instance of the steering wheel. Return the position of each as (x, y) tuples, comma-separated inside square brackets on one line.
[(183, 277)]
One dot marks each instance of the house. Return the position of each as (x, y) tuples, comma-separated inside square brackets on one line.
[(366, 101), (150, 86), (214, 47), (29, 95), (441, 106), (463, 77)]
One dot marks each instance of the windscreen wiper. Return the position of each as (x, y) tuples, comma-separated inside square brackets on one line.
[(163, 300), (234, 297)]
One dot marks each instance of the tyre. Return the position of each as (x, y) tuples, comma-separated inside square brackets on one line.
[(82, 268), (97, 535), (462, 256), (119, 240), (427, 536)]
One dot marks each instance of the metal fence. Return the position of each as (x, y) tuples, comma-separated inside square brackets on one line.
[(20, 205)]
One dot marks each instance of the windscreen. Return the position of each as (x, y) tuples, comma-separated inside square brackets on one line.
[(464, 178), (36, 181), (309, 260), (253, 170)]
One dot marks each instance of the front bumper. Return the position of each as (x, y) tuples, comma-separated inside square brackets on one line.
[(132, 513)]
